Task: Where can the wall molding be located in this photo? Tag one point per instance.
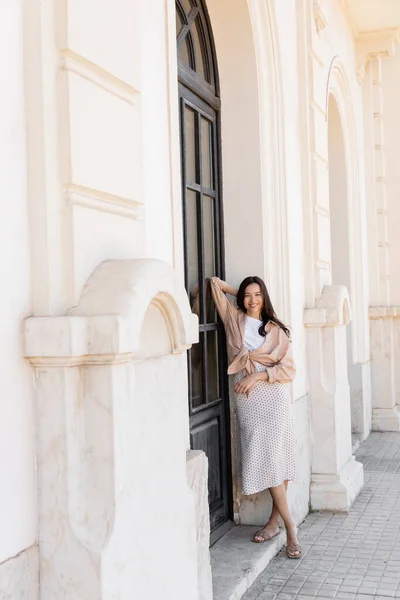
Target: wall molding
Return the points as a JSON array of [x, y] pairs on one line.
[[321, 210], [317, 107], [75, 63], [79, 195], [317, 58], [323, 264], [319, 158], [321, 21]]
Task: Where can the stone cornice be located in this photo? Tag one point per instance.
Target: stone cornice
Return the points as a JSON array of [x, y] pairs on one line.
[[374, 44], [106, 325], [384, 312]]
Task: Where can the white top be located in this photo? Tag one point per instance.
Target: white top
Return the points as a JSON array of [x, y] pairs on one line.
[[252, 339]]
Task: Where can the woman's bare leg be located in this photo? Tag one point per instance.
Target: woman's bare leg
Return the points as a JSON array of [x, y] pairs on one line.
[[271, 529], [279, 496]]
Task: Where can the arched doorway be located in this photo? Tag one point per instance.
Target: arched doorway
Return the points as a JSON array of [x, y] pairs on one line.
[[340, 239], [199, 108]]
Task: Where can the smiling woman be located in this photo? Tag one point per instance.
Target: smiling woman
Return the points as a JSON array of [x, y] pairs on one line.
[[260, 360]]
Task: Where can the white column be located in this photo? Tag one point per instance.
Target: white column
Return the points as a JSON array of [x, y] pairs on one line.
[[385, 410], [336, 477]]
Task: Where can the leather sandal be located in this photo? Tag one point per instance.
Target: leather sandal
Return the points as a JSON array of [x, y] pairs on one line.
[[265, 537], [291, 550]]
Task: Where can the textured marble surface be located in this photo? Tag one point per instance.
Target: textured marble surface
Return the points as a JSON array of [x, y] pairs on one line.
[[197, 474], [19, 576]]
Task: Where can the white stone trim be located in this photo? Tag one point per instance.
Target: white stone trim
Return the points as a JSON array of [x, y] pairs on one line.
[[79, 195], [71, 61], [384, 312]]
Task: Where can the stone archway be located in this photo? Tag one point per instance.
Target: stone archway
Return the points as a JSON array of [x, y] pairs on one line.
[[348, 241]]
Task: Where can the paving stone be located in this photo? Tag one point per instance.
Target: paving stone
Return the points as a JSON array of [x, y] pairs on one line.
[[354, 556]]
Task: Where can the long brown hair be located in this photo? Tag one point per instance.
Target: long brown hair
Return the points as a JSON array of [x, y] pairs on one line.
[[267, 312]]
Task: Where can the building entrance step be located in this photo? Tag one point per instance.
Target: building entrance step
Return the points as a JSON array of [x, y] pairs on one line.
[[236, 561]]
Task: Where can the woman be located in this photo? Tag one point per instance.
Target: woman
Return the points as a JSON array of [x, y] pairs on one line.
[[261, 362]]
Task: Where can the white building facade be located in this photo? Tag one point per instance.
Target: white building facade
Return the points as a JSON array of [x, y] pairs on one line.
[[147, 146]]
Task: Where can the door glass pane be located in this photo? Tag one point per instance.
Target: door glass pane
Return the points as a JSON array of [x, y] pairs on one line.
[[206, 154], [209, 236], [196, 363], [192, 247], [186, 51], [200, 51], [211, 311], [190, 145], [187, 5], [209, 254], [213, 367]]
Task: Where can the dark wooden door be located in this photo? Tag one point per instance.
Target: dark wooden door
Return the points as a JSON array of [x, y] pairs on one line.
[[203, 245]]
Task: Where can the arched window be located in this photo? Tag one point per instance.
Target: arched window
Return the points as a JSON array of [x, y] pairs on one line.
[[203, 248], [195, 47]]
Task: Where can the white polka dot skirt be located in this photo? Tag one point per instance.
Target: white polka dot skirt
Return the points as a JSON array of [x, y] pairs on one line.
[[266, 435]]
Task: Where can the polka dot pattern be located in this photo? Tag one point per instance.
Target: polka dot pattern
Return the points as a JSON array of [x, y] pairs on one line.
[[266, 435]]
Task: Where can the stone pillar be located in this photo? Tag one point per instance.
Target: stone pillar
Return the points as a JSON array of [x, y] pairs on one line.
[[385, 403], [336, 477], [382, 314], [117, 517]]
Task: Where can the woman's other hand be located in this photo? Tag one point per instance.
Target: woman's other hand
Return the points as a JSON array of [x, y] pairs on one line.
[[246, 385]]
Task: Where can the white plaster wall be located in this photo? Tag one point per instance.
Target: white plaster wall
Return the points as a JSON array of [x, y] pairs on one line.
[[17, 457], [87, 163], [120, 148]]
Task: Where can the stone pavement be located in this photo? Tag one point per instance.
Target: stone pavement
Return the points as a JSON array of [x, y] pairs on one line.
[[354, 556]]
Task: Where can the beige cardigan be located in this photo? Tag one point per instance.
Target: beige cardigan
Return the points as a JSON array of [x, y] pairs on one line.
[[275, 353]]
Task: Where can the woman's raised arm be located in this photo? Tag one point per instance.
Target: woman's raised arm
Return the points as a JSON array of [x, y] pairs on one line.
[[225, 308]]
